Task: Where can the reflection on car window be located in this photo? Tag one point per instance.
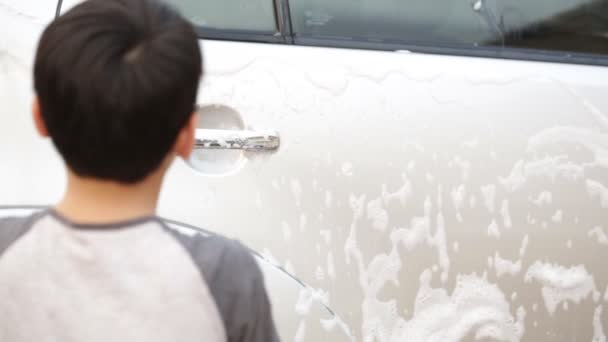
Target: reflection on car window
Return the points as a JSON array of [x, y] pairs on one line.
[[562, 25], [251, 15]]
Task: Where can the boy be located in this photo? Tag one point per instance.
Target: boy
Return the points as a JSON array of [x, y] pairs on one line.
[[116, 84]]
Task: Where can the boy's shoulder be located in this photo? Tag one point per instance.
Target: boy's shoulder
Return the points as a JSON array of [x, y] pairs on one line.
[[12, 228], [236, 283], [221, 259]]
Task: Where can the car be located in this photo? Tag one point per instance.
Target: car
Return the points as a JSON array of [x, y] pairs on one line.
[[432, 170]]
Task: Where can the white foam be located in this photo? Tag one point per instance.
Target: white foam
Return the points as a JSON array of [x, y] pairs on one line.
[[296, 190], [458, 197], [524, 246], [308, 297], [331, 268], [598, 190], [331, 324], [328, 199], [552, 168], [599, 235], [475, 306], [489, 195], [286, 231], [347, 169], [598, 330], [320, 273], [472, 202], [506, 216], [477, 6], [276, 185], [377, 214], [325, 235], [402, 194], [465, 168], [289, 268], [560, 284], [479, 304], [587, 138], [557, 217], [300, 333], [516, 179], [303, 222], [505, 266], [544, 198], [258, 201], [493, 230], [471, 143]]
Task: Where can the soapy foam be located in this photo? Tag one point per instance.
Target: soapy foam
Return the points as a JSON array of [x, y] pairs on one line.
[[331, 268], [402, 194], [493, 230], [598, 330], [504, 266], [347, 169], [506, 216], [325, 235], [544, 198], [524, 246], [598, 190], [331, 324], [557, 217], [320, 273], [489, 195], [560, 284], [300, 333], [377, 215], [309, 296], [464, 166], [328, 199], [296, 190], [303, 222], [286, 231], [289, 268], [475, 306], [458, 198], [599, 235]]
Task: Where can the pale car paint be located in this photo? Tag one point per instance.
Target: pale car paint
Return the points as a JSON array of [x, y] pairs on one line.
[[425, 198]]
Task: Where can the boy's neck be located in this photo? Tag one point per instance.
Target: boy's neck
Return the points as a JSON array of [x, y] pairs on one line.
[[88, 200]]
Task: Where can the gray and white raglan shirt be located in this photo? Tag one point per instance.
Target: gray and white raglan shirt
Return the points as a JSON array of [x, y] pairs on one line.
[[137, 281]]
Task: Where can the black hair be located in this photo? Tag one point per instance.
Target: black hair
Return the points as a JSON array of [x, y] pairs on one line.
[[116, 81]]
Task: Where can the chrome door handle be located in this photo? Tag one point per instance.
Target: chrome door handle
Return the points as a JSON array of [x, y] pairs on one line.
[[222, 139]]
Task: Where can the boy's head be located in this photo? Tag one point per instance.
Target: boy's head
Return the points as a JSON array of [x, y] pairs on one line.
[[116, 82]]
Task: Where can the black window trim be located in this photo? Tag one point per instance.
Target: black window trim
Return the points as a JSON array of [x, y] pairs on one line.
[[285, 35]]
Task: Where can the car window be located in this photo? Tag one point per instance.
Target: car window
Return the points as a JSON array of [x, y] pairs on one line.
[[559, 25], [250, 15]]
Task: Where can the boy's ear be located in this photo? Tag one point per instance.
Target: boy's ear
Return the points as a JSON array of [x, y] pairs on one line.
[[38, 119], [185, 139]]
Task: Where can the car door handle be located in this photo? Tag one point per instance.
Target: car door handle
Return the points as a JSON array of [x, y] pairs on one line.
[[223, 139]]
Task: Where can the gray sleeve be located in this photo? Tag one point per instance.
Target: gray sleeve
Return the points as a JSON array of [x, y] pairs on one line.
[[236, 284], [11, 229]]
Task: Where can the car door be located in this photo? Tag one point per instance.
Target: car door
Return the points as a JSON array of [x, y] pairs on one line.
[[442, 169]]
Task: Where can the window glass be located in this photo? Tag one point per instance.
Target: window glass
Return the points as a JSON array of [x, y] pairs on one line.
[[564, 25], [254, 15]]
